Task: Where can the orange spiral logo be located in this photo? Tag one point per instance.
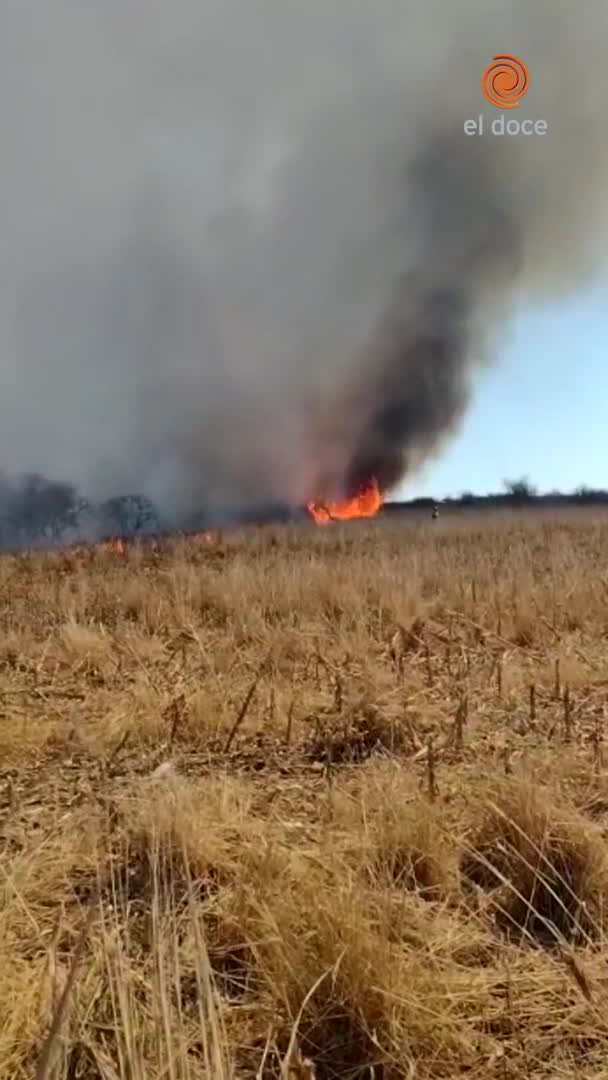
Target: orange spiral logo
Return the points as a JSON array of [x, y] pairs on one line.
[[505, 81]]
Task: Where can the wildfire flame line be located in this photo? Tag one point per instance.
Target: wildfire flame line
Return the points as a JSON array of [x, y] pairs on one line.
[[365, 504], [118, 545]]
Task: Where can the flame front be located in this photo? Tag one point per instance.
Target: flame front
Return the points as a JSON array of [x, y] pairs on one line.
[[366, 504], [116, 544], [210, 536]]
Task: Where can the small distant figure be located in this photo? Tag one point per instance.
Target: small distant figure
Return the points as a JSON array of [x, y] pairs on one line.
[[435, 513]]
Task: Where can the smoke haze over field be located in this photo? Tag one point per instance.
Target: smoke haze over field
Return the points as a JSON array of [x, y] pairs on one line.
[[247, 249]]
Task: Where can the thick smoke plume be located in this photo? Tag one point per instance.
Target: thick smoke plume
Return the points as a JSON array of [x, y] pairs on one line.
[[248, 252]]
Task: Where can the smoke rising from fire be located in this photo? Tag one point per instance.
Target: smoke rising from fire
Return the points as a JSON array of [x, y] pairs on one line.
[[248, 251]]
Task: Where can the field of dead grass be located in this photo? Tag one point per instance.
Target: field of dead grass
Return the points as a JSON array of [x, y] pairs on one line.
[[308, 803]]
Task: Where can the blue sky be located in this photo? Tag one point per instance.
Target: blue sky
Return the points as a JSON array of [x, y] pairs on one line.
[[539, 411]]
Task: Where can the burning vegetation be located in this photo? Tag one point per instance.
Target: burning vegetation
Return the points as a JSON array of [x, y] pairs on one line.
[[38, 513], [365, 504]]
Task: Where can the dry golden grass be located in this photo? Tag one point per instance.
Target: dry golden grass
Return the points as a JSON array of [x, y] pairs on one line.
[[308, 804]]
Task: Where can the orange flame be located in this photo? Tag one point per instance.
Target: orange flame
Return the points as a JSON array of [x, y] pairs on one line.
[[115, 545], [208, 537], [366, 504]]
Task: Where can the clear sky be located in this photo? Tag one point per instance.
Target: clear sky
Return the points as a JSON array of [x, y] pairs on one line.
[[540, 410]]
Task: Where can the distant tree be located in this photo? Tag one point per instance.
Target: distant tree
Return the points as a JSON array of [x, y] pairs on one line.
[[6, 529], [128, 515], [39, 508], [588, 495], [79, 520], [520, 490], [423, 502]]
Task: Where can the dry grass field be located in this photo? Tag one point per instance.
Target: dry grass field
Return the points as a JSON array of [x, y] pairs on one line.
[[306, 803]]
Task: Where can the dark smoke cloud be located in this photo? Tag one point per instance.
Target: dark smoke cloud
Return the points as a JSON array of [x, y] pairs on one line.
[[420, 357], [249, 254]]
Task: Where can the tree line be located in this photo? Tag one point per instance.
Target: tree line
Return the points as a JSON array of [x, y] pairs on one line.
[[36, 511]]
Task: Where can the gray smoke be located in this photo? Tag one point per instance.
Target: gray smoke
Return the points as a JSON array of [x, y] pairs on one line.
[[248, 250]]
